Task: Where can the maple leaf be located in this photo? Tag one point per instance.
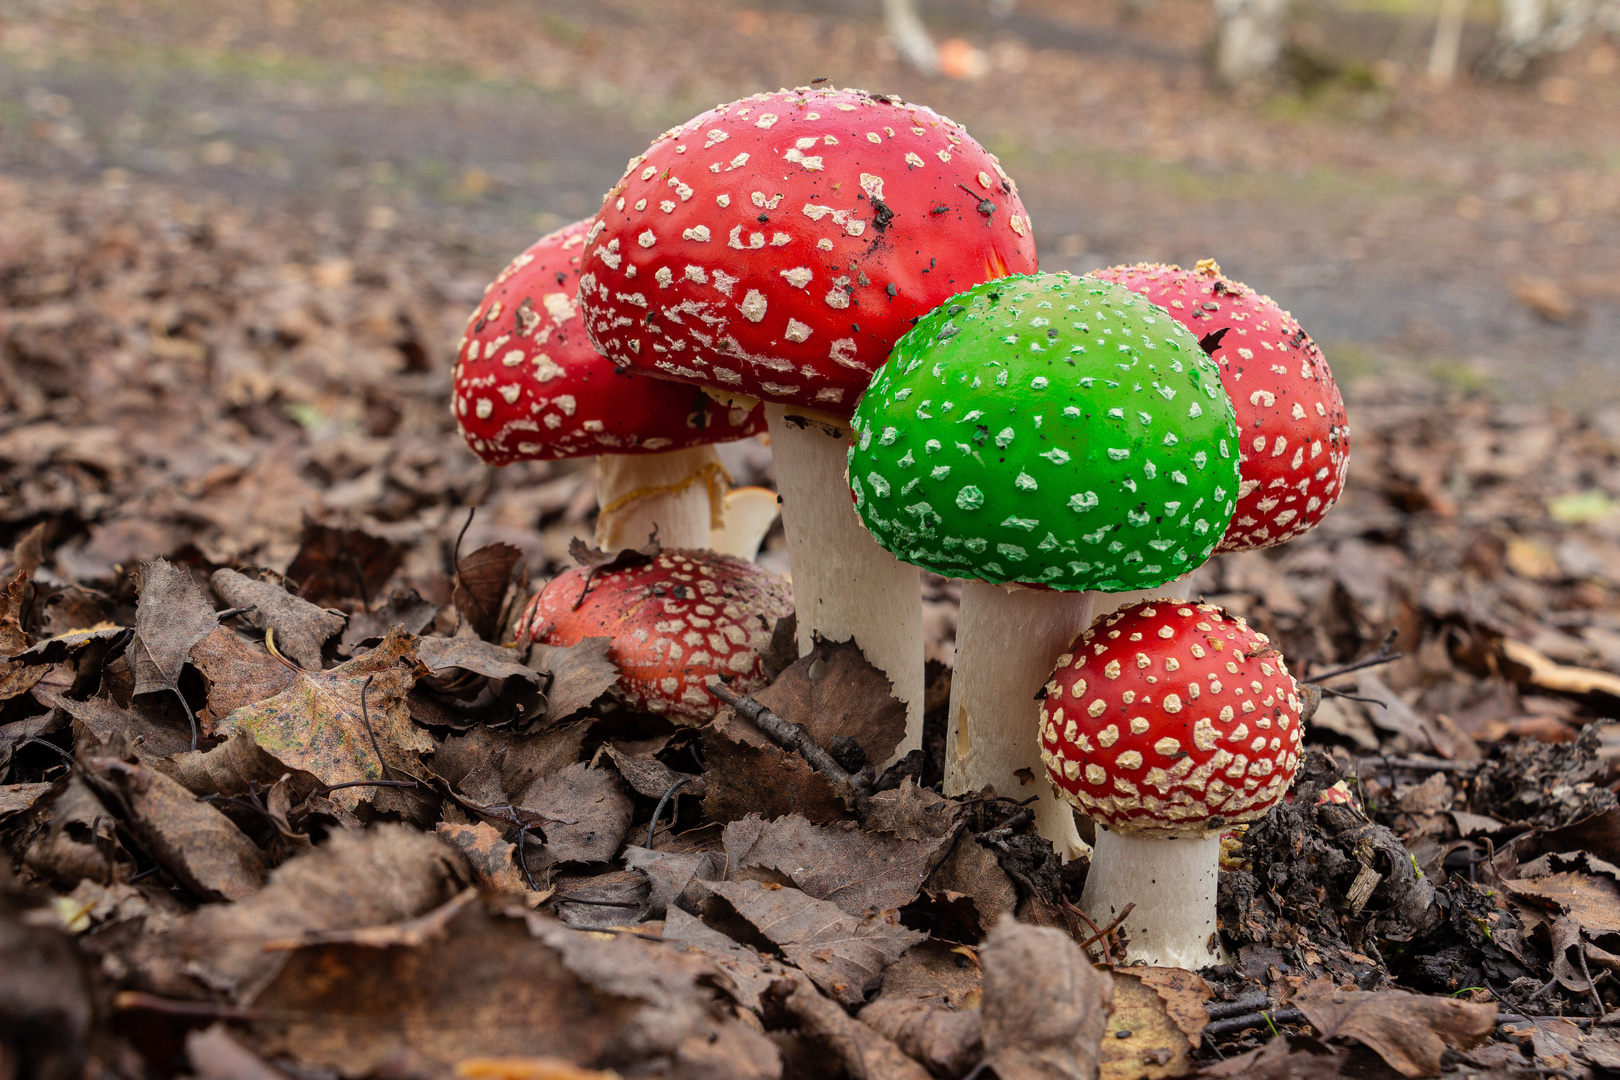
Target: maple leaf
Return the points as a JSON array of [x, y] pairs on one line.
[[317, 723]]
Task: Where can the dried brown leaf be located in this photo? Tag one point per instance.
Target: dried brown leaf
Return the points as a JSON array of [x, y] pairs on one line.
[[300, 627], [843, 955], [591, 813], [482, 579], [1157, 1021], [472, 654], [487, 853], [1044, 1007], [651, 777], [929, 1007], [409, 612], [516, 761], [750, 974], [748, 774], [15, 798], [1408, 1031], [335, 567], [192, 840], [1591, 900], [833, 691], [577, 674], [155, 734], [238, 674], [1288, 1057], [863, 1050], [171, 617], [318, 724]]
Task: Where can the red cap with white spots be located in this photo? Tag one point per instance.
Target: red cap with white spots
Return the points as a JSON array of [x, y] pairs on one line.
[[1171, 718], [1295, 444], [529, 386], [777, 247], [676, 621]]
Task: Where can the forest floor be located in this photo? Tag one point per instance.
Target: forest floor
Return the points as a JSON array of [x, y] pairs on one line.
[[235, 255]]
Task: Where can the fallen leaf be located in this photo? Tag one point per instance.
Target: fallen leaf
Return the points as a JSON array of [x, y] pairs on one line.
[[387, 875], [843, 955], [300, 627], [472, 654], [860, 871], [746, 774], [674, 877], [170, 618], [15, 798], [576, 674], [527, 1068], [516, 760], [929, 1007], [490, 857], [1287, 1057], [318, 725], [154, 735], [862, 1050], [750, 973], [214, 1055], [45, 998], [651, 777], [598, 901], [482, 580], [1044, 1007], [409, 612], [192, 840], [1562, 678], [1591, 900], [1408, 1031], [833, 691], [591, 813], [238, 674], [1157, 1022], [335, 567]]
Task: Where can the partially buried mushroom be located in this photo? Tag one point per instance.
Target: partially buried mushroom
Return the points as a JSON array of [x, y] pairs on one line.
[[529, 386], [1168, 722], [1042, 437], [677, 620], [775, 248]]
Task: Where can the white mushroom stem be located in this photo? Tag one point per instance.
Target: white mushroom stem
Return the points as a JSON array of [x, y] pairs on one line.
[[681, 493], [1172, 882], [845, 586], [1008, 640], [750, 513]]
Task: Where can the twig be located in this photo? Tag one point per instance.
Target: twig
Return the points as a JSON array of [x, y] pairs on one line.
[[1238, 1023], [659, 809], [455, 555], [1420, 764], [1000, 835], [196, 732], [1597, 999], [233, 612], [795, 739], [1382, 656], [365, 717], [1222, 1010], [523, 857], [1111, 927], [1353, 697], [135, 1001]]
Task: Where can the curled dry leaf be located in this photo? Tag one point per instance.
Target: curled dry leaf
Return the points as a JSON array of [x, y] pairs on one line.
[[1408, 1031], [577, 674], [483, 579], [335, 567], [318, 725], [300, 627], [929, 1007], [863, 1050], [1288, 1057], [489, 856], [471, 654], [1045, 1007]]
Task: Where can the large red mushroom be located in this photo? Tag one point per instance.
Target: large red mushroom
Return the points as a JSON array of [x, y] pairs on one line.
[[1166, 723], [529, 386], [776, 248], [1295, 443], [677, 620]]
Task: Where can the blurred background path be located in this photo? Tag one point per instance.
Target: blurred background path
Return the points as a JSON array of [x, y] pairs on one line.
[[1469, 230]]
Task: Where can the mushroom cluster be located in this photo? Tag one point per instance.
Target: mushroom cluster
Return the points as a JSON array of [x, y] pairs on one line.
[[1166, 723], [529, 387]]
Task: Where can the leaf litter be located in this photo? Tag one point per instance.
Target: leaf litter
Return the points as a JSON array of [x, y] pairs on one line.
[[281, 797]]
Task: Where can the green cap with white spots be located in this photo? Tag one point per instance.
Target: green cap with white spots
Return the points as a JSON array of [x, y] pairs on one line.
[[1050, 430]]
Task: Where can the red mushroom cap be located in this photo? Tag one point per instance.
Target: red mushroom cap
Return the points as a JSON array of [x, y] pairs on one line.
[[529, 386], [675, 621], [1171, 717], [779, 246], [1295, 444]]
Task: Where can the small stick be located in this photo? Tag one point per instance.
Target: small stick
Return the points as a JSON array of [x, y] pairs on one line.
[[1222, 1010], [1124, 912], [192, 717], [233, 612], [1597, 999], [795, 739], [365, 717], [1238, 1023], [1000, 835], [659, 809], [1382, 656]]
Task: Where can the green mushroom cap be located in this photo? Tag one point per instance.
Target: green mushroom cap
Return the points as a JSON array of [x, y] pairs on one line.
[[1049, 430]]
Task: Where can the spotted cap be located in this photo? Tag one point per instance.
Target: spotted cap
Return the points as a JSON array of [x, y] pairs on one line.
[[675, 621], [1171, 718], [528, 385], [1295, 444], [778, 246], [1048, 430]]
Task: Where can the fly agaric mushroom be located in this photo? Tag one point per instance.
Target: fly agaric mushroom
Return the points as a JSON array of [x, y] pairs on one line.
[[1166, 723], [528, 386], [1295, 442], [1050, 432], [776, 248], [676, 620]]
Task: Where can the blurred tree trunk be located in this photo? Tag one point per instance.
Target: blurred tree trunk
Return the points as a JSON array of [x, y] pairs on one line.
[[1248, 39], [1531, 29], [1447, 41], [905, 26]]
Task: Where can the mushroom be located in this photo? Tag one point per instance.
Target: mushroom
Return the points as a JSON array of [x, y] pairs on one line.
[[1042, 436], [775, 248], [1295, 443], [528, 386], [677, 620], [1166, 723]]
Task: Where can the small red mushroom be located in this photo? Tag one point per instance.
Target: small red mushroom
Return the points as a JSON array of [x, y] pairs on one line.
[[1295, 444], [529, 386], [677, 620], [777, 247], [1167, 722]]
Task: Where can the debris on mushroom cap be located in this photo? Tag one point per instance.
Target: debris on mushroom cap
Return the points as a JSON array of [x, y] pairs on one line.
[[1049, 430], [1295, 441], [779, 245], [529, 386], [676, 620], [1171, 717]]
